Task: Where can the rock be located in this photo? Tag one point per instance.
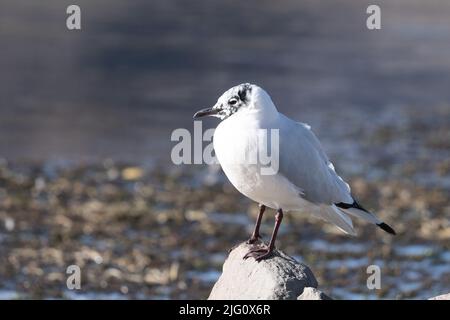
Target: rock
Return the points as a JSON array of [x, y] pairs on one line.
[[441, 297], [276, 278], [310, 293]]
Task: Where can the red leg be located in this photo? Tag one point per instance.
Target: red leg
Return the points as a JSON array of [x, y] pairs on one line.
[[265, 252], [255, 235]]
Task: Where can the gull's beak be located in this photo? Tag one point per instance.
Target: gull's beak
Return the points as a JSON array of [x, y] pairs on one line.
[[206, 112]]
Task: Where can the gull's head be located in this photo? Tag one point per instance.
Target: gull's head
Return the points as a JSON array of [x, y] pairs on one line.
[[241, 98]]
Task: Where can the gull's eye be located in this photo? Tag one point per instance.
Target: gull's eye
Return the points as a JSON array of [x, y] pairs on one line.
[[232, 101]]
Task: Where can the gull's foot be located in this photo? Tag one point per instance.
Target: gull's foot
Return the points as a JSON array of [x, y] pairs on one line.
[[259, 253]]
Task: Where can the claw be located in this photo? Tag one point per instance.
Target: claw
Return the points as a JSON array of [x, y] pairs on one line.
[[259, 254]]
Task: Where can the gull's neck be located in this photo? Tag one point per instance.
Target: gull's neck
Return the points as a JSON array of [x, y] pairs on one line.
[[262, 106]]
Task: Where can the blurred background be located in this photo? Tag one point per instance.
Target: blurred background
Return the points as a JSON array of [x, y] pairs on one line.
[[86, 118]]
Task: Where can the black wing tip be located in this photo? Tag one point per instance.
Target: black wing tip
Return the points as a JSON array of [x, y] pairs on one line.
[[386, 228], [355, 205]]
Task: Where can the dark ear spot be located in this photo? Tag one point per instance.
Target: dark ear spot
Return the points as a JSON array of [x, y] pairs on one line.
[[242, 93]]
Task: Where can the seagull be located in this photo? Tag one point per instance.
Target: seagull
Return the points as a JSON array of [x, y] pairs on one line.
[[303, 178]]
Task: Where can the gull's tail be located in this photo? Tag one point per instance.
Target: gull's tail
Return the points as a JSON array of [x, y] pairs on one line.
[[337, 217], [356, 210]]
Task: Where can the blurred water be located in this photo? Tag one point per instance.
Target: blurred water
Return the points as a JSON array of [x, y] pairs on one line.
[[136, 71]]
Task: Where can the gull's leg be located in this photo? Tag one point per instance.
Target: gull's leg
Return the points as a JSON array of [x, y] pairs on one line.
[[264, 252], [255, 235]]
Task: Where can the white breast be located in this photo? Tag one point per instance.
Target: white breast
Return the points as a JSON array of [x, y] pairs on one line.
[[236, 146]]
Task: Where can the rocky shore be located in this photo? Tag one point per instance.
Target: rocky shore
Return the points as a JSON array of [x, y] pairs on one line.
[[149, 233]]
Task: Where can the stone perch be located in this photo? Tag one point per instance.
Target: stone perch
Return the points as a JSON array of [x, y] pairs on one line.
[[280, 277], [441, 297]]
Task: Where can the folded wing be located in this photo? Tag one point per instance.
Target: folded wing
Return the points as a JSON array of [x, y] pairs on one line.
[[304, 163]]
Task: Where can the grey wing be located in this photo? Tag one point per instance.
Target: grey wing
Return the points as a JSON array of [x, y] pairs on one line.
[[304, 163]]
